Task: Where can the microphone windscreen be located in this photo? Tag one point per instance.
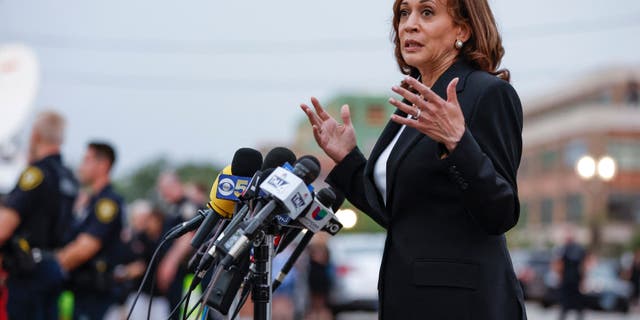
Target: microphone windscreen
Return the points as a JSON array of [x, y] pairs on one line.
[[327, 197], [246, 162], [223, 207], [312, 158], [267, 172], [340, 197], [308, 169], [277, 157]]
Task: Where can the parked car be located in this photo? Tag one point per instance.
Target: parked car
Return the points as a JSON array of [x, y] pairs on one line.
[[530, 268], [605, 290], [602, 289], [356, 258]]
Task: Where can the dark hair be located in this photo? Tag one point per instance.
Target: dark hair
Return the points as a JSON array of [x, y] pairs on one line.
[[104, 151], [157, 213], [484, 48]]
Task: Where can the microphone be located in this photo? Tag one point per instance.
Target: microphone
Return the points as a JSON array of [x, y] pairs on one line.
[[187, 226], [318, 217], [340, 197], [275, 158], [246, 162], [285, 190], [312, 158], [321, 213]]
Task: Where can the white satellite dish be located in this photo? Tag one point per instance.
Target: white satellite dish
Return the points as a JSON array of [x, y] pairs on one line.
[[19, 79]]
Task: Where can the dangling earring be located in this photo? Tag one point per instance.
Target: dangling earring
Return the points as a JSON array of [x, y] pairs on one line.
[[459, 44]]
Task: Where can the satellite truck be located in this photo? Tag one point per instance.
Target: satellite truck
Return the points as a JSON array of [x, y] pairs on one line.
[[19, 79]]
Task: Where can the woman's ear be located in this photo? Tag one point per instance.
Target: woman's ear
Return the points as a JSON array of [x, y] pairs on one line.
[[464, 32]]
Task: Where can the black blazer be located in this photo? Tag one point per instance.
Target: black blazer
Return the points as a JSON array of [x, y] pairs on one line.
[[445, 255]]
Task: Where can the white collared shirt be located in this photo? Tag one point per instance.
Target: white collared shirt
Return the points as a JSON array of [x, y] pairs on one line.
[[380, 168]]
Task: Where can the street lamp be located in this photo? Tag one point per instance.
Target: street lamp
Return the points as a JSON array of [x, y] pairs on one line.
[[604, 170], [347, 217], [586, 167]]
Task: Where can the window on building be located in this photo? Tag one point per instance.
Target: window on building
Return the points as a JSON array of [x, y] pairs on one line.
[[626, 153], [575, 208], [548, 159], [376, 116], [624, 208], [546, 211], [573, 151]]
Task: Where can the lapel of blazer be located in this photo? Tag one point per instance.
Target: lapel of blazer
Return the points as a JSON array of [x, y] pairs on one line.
[[411, 136], [388, 133]]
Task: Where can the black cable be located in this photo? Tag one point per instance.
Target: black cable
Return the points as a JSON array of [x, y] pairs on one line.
[[186, 305], [144, 278], [195, 307], [153, 284], [209, 290], [177, 307]]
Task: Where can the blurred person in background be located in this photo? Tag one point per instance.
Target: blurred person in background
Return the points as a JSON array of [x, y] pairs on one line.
[[570, 264], [197, 193], [173, 266], [33, 222], [442, 176], [92, 250], [283, 307], [146, 233], [320, 277], [129, 259]]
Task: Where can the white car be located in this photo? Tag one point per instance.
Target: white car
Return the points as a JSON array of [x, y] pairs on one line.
[[356, 259]]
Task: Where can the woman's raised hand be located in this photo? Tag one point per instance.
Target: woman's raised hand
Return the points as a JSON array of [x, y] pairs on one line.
[[337, 140], [442, 120]]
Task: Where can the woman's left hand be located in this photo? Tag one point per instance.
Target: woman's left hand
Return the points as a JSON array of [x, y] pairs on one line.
[[441, 120]]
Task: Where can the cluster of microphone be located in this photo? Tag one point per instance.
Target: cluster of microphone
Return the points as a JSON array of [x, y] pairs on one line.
[[248, 199]]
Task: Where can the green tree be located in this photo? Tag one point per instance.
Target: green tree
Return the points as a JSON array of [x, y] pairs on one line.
[[141, 182]]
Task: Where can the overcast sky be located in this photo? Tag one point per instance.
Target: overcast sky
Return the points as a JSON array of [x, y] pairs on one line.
[[196, 80]]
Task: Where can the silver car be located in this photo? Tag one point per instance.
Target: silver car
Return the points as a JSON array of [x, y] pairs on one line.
[[356, 259]]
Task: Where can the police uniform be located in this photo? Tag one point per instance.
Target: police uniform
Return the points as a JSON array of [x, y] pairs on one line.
[[43, 198], [92, 282]]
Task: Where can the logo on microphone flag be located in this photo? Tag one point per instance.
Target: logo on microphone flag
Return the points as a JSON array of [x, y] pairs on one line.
[[318, 214], [278, 182], [231, 187]]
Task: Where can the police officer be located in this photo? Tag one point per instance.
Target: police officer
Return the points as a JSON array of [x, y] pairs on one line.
[[33, 223], [172, 267], [89, 256], [572, 266]]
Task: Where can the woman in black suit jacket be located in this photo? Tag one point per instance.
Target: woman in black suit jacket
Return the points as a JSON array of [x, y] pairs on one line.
[[442, 177]]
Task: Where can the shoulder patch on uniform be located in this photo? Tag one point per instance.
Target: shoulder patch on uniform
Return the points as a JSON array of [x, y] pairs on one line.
[[30, 179], [106, 210]]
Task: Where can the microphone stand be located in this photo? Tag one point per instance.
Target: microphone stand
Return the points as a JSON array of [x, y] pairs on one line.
[[261, 278]]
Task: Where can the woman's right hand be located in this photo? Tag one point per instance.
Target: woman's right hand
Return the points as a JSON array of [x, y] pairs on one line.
[[337, 140]]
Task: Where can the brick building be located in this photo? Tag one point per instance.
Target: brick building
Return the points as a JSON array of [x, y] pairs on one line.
[[597, 116]]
